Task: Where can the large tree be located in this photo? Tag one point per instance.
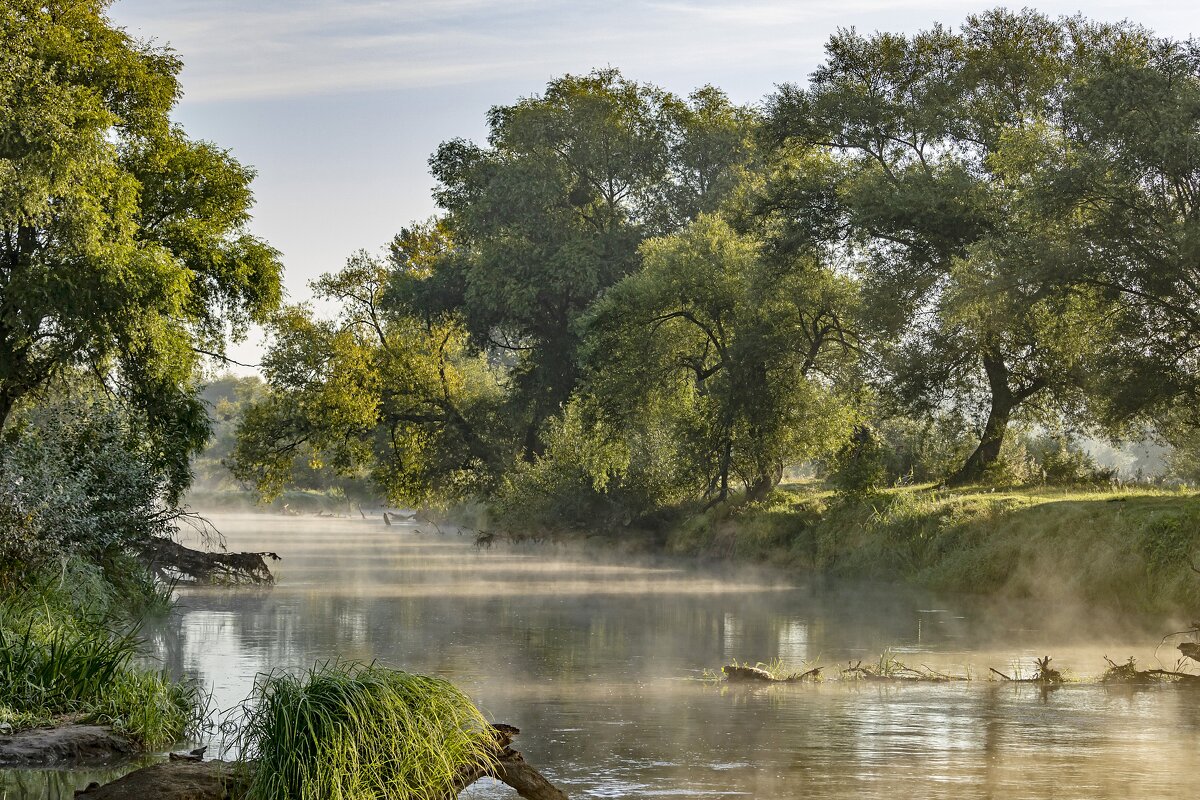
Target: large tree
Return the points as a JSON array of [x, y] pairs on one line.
[[377, 391], [1132, 187], [552, 212], [123, 243], [923, 161], [736, 356]]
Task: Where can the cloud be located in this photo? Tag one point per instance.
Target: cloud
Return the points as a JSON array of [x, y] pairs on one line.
[[235, 49]]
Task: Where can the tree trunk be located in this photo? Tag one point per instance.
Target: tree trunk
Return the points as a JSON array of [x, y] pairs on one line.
[[7, 401], [765, 483], [1001, 409]]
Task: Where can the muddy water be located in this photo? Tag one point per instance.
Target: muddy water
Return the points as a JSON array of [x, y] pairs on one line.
[[599, 664]]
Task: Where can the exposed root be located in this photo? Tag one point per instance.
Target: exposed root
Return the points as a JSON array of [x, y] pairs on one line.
[[171, 561]]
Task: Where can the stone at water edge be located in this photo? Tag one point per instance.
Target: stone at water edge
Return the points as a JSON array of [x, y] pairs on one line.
[[67, 745]]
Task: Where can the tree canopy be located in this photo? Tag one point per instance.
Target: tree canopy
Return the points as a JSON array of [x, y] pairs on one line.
[[634, 301], [124, 253]]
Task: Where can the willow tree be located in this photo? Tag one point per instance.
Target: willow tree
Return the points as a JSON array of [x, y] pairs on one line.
[[736, 358], [927, 159], [1132, 183], [552, 211], [376, 391], [123, 243]]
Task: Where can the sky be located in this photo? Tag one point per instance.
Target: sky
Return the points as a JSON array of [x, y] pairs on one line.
[[338, 105]]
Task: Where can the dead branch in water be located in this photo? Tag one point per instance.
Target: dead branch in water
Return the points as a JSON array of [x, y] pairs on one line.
[[1045, 673], [512, 769], [171, 561], [741, 673]]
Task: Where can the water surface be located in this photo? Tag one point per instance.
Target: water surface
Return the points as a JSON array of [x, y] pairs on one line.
[[599, 662]]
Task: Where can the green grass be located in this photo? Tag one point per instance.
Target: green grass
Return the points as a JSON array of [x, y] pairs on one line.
[[359, 732], [69, 651], [1123, 549], [49, 670]]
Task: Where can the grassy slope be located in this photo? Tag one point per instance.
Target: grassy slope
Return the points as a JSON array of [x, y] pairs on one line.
[[1127, 549]]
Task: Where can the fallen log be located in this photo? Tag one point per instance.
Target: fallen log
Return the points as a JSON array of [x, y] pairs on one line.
[[171, 561], [740, 673], [512, 769]]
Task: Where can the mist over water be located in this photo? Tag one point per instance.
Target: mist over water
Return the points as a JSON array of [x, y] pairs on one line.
[[598, 662]]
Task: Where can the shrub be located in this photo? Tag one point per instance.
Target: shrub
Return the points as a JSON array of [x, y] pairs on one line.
[[859, 467], [77, 477]]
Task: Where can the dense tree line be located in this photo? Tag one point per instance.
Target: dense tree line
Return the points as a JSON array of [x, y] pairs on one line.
[[633, 300]]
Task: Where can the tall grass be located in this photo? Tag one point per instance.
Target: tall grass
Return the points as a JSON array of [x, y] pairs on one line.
[[360, 732], [50, 667]]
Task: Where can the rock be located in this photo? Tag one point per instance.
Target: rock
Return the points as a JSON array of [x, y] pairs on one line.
[[174, 780], [68, 745]]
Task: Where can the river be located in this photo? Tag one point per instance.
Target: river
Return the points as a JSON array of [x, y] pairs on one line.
[[600, 660]]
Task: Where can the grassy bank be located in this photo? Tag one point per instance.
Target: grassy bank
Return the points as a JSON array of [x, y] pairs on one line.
[[1121, 549], [69, 652]]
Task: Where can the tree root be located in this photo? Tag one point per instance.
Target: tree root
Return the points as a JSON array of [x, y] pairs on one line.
[[171, 561]]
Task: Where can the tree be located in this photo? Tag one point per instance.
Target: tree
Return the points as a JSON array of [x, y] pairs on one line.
[[923, 159], [377, 391], [123, 248], [1132, 184], [552, 212], [739, 357]]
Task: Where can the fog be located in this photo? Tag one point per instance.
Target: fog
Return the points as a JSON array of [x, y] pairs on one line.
[[600, 663]]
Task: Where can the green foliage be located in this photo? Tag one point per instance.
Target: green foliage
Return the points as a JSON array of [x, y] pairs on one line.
[[124, 248], [860, 467], [360, 732], [52, 665], [377, 393], [553, 212], [79, 477], [926, 449], [925, 157], [705, 334]]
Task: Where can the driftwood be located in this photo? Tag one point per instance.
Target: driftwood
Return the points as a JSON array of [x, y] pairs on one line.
[[738, 673], [1045, 674], [512, 769], [171, 561]]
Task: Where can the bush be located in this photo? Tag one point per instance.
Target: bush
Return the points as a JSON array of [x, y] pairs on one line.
[[77, 477], [924, 450], [360, 732], [860, 467], [1060, 462]]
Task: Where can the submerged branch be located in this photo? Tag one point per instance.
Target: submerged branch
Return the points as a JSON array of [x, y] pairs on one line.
[[171, 561]]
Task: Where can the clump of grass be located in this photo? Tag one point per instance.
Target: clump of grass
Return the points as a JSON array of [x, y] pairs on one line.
[[360, 732], [61, 670], [151, 708]]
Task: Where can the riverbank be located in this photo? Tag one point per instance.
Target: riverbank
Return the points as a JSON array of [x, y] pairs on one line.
[[73, 685], [1126, 550]]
